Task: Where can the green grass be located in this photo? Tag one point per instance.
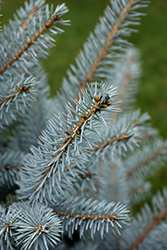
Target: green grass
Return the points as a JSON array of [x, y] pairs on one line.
[[151, 40]]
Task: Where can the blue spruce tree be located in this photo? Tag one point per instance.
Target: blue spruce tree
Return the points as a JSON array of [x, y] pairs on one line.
[[72, 168]]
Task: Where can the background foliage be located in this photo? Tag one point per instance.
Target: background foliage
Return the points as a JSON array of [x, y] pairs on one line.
[[150, 40]]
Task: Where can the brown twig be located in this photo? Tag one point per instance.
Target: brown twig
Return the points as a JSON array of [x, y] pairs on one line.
[[112, 217]]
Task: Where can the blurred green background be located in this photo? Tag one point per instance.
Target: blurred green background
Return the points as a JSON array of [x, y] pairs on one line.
[[151, 40]]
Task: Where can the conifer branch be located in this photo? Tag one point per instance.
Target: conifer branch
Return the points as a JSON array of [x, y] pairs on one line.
[[90, 214], [16, 94], [122, 137], [25, 23], [55, 18], [96, 108], [67, 148], [25, 88], [146, 161], [110, 142], [35, 226], [104, 51], [144, 234]]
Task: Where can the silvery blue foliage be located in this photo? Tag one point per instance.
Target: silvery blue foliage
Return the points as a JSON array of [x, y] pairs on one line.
[[73, 167], [42, 224]]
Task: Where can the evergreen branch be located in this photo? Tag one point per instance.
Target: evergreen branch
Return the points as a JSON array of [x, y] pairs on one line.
[[79, 155], [118, 140], [96, 107], [66, 149], [104, 51], [84, 214], [151, 157], [56, 18], [29, 226], [25, 23], [126, 76], [30, 42], [131, 133], [7, 220], [33, 120], [24, 88], [15, 95], [36, 226], [110, 142], [154, 223], [24, 15]]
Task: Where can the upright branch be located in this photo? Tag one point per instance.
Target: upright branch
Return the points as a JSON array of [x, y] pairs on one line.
[[104, 50], [99, 103]]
